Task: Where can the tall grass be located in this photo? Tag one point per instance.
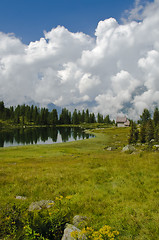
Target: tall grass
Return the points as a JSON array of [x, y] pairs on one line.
[[109, 187]]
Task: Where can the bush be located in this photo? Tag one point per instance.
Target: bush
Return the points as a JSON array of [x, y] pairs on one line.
[[11, 222], [38, 224]]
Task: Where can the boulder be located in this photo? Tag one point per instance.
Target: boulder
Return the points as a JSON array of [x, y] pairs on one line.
[[157, 146], [111, 148], [79, 221], [67, 232], [129, 148], [21, 197], [40, 204]]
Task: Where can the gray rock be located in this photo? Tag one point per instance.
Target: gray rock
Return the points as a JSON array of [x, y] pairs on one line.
[[111, 148], [67, 232], [40, 204], [128, 148], [21, 197], [157, 146], [79, 221]]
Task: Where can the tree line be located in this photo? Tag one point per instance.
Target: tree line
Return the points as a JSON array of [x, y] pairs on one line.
[[25, 114], [148, 130]]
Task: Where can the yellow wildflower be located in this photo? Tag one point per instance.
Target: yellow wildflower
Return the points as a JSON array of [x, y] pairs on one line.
[[74, 234], [68, 197], [59, 198]]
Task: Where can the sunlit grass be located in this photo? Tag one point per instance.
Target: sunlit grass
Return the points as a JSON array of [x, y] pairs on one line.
[[109, 187]]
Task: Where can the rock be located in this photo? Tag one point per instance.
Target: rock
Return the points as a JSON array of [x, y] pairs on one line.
[[79, 221], [21, 197], [40, 204], [67, 232], [111, 148], [138, 144], [129, 148], [156, 146]]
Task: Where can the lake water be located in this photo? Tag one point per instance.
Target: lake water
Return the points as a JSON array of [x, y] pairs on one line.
[[41, 135]]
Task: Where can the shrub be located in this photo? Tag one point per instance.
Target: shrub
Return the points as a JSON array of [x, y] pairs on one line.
[[44, 224], [11, 222]]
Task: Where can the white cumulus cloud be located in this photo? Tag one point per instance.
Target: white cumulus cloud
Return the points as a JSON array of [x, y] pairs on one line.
[[114, 71]]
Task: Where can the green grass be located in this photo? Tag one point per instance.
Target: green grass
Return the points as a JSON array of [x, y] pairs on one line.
[[109, 187]]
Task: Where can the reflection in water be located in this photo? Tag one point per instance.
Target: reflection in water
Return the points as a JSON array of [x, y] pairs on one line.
[[45, 135]]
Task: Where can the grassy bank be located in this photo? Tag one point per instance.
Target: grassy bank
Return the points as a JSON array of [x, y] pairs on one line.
[[109, 187]]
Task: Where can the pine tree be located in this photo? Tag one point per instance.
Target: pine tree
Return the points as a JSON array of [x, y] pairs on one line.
[[107, 120], [87, 119], [149, 130], [156, 116], [143, 133], [75, 119], [83, 116], [92, 118], [54, 117], [65, 117], [1, 109], [134, 133], [100, 118], [156, 134], [145, 116]]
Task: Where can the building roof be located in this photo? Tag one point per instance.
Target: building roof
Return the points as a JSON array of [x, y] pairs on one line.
[[121, 119]]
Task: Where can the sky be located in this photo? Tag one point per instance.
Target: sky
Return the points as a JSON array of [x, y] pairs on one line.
[[28, 19], [96, 54]]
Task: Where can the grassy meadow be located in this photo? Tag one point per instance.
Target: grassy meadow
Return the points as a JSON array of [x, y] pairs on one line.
[[109, 187]]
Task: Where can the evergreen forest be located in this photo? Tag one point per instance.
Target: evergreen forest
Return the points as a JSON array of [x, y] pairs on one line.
[[147, 129], [32, 115]]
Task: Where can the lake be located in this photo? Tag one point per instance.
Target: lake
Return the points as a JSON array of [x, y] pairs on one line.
[[41, 135]]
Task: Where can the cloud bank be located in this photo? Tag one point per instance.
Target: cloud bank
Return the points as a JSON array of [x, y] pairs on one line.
[[116, 71]]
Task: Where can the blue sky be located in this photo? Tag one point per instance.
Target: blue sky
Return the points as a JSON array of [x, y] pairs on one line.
[[27, 19]]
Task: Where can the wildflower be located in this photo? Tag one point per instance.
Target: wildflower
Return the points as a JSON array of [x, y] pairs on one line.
[[59, 198], [116, 232], [68, 197], [74, 234]]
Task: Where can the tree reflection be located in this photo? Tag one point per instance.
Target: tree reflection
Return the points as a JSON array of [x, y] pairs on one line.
[[37, 135]]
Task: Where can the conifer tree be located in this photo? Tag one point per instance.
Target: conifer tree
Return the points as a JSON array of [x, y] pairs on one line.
[[145, 116], [100, 118], [87, 119], [107, 120], [134, 133], [156, 116], [143, 133], [54, 117], [149, 130], [156, 134], [75, 119], [83, 116]]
